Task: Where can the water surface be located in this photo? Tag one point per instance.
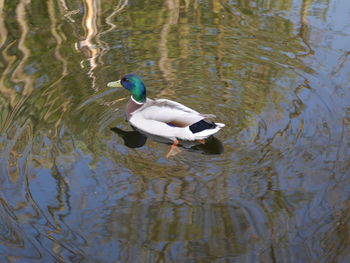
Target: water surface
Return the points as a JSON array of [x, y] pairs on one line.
[[272, 186]]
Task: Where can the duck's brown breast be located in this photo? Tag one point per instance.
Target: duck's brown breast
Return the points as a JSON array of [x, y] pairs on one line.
[[131, 106]]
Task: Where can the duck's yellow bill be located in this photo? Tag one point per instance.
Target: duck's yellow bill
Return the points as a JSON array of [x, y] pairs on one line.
[[114, 84]]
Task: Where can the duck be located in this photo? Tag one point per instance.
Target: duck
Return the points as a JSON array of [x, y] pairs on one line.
[[164, 118]]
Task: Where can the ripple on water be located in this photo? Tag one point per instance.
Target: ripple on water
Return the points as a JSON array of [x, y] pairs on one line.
[[271, 186]]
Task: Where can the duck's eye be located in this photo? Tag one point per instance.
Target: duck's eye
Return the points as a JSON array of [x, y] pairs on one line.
[[124, 79]]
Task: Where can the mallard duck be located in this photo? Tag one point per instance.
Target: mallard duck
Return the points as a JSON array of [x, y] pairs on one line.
[[164, 118]]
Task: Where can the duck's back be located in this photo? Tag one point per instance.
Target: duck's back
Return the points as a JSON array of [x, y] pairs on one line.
[[169, 112]]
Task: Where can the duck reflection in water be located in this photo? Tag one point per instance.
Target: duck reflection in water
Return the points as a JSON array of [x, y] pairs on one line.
[[135, 139], [132, 139]]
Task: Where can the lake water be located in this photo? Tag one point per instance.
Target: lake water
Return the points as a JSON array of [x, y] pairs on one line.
[[77, 185]]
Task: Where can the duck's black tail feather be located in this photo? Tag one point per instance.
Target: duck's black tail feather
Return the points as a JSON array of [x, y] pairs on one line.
[[202, 125]]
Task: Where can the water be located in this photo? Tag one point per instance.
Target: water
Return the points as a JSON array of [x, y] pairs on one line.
[[272, 186]]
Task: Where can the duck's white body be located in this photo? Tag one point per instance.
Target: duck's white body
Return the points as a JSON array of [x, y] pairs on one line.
[[168, 119]]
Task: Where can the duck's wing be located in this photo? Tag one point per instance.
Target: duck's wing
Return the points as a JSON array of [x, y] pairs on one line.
[[171, 120], [170, 112], [161, 129], [172, 105]]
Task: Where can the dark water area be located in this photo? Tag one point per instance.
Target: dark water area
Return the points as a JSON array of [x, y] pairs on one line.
[[78, 185]]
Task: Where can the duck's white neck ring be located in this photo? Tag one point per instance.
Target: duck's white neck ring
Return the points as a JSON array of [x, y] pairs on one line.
[[139, 103]]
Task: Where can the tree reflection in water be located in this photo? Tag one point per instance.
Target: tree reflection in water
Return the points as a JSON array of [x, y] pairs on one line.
[[272, 187]]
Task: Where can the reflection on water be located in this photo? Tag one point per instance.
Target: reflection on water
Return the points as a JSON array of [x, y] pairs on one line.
[[135, 139], [79, 185], [132, 139]]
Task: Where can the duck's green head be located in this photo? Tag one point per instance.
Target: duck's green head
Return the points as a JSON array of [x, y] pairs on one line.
[[132, 83]]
